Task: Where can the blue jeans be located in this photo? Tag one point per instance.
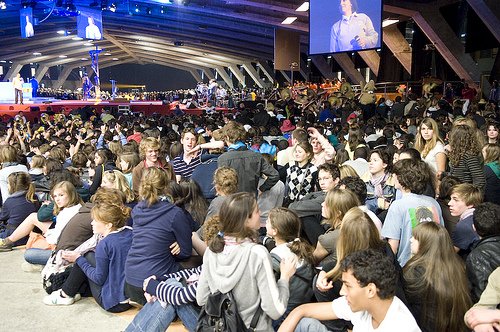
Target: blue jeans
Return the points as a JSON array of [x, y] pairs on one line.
[[37, 256], [310, 324], [154, 318]]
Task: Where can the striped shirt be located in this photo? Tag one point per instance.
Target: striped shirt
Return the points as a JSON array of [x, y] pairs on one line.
[[470, 170], [173, 293], [185, 170]]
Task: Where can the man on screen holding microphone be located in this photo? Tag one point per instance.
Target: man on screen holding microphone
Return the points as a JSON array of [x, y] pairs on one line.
[[354, 31]]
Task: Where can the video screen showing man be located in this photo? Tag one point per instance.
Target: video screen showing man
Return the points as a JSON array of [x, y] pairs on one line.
[[26, 17], [89, 25], [344, 25], [354, 31]]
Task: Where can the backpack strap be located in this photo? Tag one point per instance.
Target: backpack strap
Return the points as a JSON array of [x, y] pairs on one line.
[[255, 319]]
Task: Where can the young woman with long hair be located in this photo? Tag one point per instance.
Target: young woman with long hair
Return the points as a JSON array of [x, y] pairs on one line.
[[158, 225], [234, 262], [284, 226], [100, 273], [435, 281], [491, 132], [358, 232], [465, 159], [430, 145], [334, 208]]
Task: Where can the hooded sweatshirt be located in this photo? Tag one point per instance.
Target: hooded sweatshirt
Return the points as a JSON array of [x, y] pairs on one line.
[[246, 269], [156, 227]]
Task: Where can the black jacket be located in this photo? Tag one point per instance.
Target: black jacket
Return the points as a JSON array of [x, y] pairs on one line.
[[483, 259]]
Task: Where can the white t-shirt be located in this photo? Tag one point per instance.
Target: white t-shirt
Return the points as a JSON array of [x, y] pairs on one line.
[[430, 159], [397, 319], [62, 219]]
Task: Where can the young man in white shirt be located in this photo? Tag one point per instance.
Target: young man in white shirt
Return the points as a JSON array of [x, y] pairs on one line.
[[368, 300]]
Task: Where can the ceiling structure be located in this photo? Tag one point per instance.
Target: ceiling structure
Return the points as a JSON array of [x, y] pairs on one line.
[[225, 37]]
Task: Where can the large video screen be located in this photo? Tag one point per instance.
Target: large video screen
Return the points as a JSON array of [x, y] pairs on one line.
[[89, 24], [26, 22], [344, 25]]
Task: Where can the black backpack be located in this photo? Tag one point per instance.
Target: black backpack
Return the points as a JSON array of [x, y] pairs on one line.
[[220, 314]]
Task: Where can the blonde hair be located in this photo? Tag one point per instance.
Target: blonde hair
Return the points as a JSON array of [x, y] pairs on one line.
[[120, 182], [491, 153], [8, 154], [114, 213], [37, 161], [423, 146], [154, 183], [338, 202], [148, 143], [347, 170], [225, 180], [21, 181], [70, 190], [115, 147], [358, 232], [131, 158], [470, 194]]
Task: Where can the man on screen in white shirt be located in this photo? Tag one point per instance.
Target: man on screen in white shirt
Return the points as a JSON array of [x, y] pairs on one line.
[[28, 28], [92, 31], [354, 31]]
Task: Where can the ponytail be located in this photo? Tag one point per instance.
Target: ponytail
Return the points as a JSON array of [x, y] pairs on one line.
[[303, 250], [30, 194]]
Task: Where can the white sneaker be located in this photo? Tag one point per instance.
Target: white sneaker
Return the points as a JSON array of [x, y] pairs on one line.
[[55, 298], [28, 267]]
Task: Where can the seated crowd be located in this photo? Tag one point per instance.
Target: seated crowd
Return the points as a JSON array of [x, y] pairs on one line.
[[351, 222]]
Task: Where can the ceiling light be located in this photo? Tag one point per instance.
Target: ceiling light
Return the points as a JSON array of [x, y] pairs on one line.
[[37, 53], [61, 32], [303, 7], [107, 53], [76, 38], [289, 20], [83, 59], [3, 5], [63, 56], [115, 59], [148, 10], [137, 9], [162, 10], [112, 7], [88, 44], [389, 21]]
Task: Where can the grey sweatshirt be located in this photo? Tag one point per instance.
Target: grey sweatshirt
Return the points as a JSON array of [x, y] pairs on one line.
[[245, 269]]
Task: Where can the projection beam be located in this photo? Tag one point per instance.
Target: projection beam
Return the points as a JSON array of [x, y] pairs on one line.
[[372, 59], [398, 45]]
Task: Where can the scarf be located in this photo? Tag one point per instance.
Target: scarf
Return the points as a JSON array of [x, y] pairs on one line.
[[494, 167], [377, 184]]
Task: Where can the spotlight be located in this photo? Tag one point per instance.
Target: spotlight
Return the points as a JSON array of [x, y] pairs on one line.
[[137, 9], [162, 10], [148, 10], [3, 5], [112, 7]]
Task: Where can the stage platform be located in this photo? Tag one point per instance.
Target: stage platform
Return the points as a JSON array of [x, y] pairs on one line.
[[32, 108]]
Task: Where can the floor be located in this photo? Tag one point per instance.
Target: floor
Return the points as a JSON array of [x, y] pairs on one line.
[[21, 295]]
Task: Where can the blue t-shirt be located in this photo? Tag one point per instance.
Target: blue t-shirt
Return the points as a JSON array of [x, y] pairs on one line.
[[406, 213], [465, 237]]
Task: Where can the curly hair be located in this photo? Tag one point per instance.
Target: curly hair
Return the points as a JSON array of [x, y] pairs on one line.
[[372, 266], [463, 141], [225, 180], [412, 174]]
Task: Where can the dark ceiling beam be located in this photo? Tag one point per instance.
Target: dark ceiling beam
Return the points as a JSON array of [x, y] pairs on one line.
[[489, 19], [242, 48], [437, 30], [289, 9]]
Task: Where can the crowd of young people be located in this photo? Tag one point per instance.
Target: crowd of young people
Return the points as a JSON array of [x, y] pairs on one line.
[[352, 222]]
